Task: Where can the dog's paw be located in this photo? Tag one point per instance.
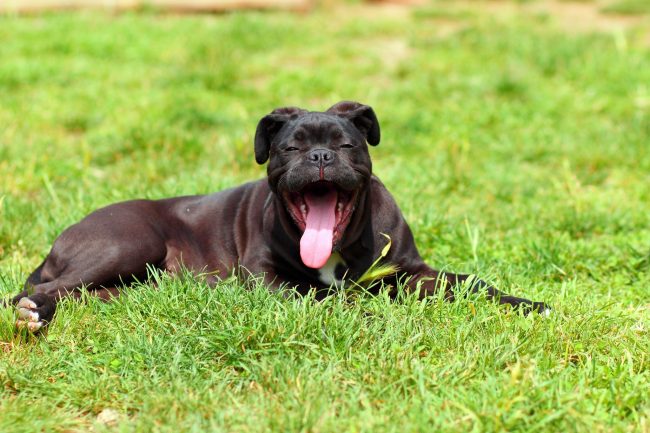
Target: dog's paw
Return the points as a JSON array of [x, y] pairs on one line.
[[526, 306], [542, 308], [34, 312], [536, 307]]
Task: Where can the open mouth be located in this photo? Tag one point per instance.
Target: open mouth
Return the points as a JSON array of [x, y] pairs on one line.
[[322, 211]]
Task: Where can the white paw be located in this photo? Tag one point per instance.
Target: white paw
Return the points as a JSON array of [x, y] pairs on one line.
[[27, 317]]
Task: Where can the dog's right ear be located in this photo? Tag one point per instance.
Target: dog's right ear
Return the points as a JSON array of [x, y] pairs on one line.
[[269, 126], [362, 116]]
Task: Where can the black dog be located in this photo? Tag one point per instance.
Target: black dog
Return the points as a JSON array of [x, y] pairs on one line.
[[318, 217]]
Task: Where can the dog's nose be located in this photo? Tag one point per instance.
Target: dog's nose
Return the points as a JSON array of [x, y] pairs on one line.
[[321, 157]]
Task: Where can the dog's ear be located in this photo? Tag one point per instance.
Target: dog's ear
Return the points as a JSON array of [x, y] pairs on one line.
[[362, 116], [269, 126]]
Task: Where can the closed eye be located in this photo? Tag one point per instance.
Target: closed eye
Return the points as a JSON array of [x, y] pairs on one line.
[[291, 149], [346, 146]]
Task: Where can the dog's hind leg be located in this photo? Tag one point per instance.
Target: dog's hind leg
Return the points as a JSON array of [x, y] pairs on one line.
[[37, 303], [35, 277], [37, 310], [111, 246]]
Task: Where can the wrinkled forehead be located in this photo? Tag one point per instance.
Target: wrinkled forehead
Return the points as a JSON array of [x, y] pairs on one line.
[[320, 125]]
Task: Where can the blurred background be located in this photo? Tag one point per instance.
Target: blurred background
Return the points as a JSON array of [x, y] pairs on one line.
[[587, 8]]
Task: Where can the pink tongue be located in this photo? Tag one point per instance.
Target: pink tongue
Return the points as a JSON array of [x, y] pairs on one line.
[[316, 241]]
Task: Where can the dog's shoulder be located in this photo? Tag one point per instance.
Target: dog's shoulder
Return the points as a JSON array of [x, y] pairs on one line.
[[381, 196]]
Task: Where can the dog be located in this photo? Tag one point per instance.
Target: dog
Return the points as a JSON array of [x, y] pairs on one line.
[[320, 217]]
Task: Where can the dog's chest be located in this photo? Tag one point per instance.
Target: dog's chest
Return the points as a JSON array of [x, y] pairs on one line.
[[333, 271]]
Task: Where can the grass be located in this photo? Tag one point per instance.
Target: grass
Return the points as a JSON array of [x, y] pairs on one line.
[[628, 7], [516, 152]]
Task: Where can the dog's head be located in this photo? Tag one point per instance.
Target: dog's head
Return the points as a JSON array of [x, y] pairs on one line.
[[318, 166]]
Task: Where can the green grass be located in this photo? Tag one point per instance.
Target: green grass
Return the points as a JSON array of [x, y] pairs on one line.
[[628, 7], [516, 152]]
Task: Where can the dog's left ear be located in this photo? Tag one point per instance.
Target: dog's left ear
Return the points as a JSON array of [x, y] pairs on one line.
[[269, 126], [362, 116]]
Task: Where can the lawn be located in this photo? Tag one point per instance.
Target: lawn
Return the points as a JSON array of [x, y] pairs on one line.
[[516, 146]]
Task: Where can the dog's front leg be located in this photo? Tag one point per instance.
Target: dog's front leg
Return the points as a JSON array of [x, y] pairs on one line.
[[429, 282]]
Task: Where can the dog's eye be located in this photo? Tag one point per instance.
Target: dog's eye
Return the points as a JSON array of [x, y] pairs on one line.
[[291, 149], [346, 146]]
